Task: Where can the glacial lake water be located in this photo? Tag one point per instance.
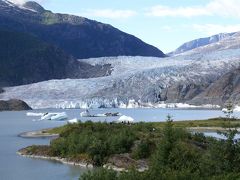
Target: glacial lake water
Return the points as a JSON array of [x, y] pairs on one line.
[[13, 166]]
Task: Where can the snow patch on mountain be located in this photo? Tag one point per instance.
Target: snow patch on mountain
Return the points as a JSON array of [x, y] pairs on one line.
[[16, 4], [188, 46]]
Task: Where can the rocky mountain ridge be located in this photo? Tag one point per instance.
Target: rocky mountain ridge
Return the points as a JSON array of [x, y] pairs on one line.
[[77, 36], [201, 42]]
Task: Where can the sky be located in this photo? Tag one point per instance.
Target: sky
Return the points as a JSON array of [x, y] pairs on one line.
[[165, 24]]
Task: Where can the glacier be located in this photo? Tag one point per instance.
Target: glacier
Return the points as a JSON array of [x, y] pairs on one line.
[[138, 81]]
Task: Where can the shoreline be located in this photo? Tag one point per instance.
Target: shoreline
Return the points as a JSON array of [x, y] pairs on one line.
[[61, 160], [80, 164]]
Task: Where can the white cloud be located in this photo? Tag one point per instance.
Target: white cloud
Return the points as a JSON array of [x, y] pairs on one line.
[[211, 29], [109, 13], [227, 8], [162, 11]]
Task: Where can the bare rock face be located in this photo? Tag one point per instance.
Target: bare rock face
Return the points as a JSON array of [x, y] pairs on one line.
[[125, 161], [224, 89], [181, 92], [13, 105]]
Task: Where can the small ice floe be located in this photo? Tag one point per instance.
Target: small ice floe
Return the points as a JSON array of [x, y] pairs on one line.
[[125, 119], [73, 121], [54, 116]]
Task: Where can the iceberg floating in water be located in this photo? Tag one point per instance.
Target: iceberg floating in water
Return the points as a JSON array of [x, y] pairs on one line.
[[125, 119], [54, 116], [73, 121]]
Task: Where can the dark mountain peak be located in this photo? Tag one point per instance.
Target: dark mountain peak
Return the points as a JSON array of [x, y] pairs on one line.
[[34, 6], [77, 36]]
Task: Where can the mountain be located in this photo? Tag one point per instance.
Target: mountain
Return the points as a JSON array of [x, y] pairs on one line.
[[78, 36], [201, 42], [26, 59], [226, 88]]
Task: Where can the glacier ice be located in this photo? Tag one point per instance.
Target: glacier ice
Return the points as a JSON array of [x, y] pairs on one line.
[[134, 82]]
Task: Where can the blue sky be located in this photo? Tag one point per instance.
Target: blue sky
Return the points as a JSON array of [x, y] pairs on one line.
[[165, 24]]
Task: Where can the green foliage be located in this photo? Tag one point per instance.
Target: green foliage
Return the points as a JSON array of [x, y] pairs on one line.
[[143, 149], [223, 155], [50, 18], [99, 174], [199, 137], [98, 140], [215, 122], [180, 155]]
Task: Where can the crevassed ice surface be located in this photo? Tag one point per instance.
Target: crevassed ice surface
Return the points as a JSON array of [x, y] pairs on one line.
[[132, 78]]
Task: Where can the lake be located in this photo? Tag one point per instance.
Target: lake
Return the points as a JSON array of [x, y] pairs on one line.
[[13, 166]]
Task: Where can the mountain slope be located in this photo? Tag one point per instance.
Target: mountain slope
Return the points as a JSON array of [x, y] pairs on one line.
[[26, 59], [224, 89], [231, 42], [78, 36], [200, 42]]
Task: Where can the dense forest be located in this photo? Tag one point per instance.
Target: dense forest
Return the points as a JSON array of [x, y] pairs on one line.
[[148, 150], [180, 155]]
